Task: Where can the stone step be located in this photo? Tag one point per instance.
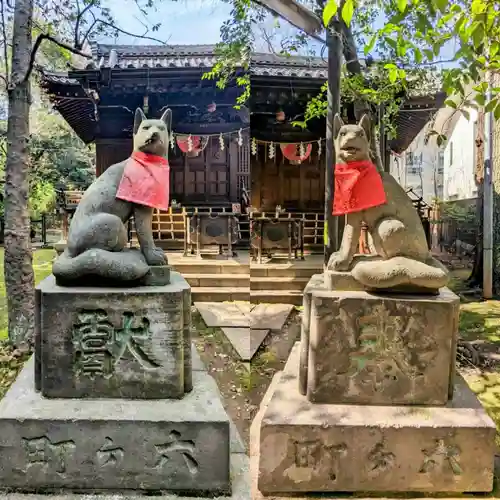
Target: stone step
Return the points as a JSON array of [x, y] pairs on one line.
[[288, 270], [283, 283], [210, 267], [219, 294], [218, 280], [293, 297]]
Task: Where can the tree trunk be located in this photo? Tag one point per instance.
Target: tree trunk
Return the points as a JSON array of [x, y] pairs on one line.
[[476, 277], [18, 259]]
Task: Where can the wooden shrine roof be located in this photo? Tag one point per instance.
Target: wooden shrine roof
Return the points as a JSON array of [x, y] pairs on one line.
[[200, 56], [78, 108]]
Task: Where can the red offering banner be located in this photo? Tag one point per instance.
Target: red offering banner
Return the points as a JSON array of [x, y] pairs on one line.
[[146, 181], [358, 186], [292, 152]]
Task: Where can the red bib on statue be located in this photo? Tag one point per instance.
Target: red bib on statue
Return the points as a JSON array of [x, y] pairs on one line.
[[358, 186], [146, 181]]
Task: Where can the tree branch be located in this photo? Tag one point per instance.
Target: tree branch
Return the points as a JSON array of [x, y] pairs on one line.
[[79, 17], [5, 47], [38, 43], [84, 39], [112, 26]]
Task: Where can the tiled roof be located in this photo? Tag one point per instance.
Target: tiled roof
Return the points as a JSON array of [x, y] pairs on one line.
[[200, 56], [80, 112]]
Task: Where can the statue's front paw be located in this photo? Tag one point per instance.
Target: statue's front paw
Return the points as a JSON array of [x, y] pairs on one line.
[[339, 262], [155, 257]]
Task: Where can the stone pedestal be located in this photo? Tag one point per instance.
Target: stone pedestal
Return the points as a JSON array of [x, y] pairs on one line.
[[369, 401], [114, 342], [108, 444], [115, 399], [308, 447], [378, 349]]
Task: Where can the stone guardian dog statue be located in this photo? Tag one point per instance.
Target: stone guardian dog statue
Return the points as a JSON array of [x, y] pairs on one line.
[[97, 239], [402, 261]]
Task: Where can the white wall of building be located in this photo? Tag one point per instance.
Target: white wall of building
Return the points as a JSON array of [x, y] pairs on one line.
[[459, 159], [420, 167], [444, 172]]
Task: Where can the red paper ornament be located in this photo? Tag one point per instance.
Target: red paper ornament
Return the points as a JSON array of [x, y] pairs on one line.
[[358, 186], [291, 152], [183, 143], [146, 181]]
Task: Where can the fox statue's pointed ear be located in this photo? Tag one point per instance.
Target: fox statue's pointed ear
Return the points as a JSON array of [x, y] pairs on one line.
[[337, 124], [365, 124], [167, 119], [139, 116]]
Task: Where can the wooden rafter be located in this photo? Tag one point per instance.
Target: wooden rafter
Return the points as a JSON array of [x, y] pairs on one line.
[[297, 15]]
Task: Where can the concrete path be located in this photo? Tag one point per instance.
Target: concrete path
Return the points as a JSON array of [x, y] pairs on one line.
[[244, 324]]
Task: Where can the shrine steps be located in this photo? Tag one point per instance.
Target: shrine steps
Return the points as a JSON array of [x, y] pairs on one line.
[[282, 282], [293, 297], [277, 283], [213, 279]]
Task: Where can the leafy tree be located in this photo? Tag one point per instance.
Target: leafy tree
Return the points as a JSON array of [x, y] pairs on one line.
[[31, 31], [410, 46]]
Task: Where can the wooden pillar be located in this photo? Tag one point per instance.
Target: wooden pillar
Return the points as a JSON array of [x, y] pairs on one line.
[[334, 44], [111, 151]]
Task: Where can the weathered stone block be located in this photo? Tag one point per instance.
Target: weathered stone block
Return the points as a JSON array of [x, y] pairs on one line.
[[108, 444], [307, 447], [363, 348], [114, 342]]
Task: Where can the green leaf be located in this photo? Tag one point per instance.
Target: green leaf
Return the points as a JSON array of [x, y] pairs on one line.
[[480, 99], [429, 54], [368, 48], [477, 34], [418, 55], [402, 4], [441, 139], [496, 113], [393, 75], [450, 103], [478, 6], [494, 49], [442, 5], [466, 114], [491, 106], [348, 12], [329, 11]]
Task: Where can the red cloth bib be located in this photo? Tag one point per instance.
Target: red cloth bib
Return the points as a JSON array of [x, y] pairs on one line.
[[146, 181], [358, 186]]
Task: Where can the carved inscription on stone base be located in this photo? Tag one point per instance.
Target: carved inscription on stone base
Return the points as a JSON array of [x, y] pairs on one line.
[[180, 445], [308, 447], [117, 343], [370, 349]]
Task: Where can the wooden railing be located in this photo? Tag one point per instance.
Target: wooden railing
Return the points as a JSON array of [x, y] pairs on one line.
[[169, 227], [313, 225]]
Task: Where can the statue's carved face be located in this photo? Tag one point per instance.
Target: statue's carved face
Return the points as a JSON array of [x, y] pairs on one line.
[[352, 142], [152, 136]]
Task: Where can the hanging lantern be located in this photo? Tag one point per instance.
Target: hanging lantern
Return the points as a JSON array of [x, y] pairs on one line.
[[253, 147], [221, 142], [295, 157], [172, 141], [319, 148], [240, 138], [191, 145], [280, 116]]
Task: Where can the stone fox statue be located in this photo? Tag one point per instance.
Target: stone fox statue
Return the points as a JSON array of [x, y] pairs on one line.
[[403, 258], [98, 235]]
